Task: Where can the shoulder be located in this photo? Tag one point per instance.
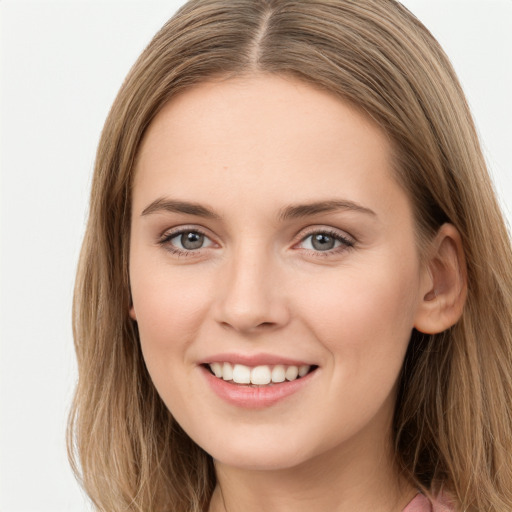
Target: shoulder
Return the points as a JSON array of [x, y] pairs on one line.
[[421, 503]]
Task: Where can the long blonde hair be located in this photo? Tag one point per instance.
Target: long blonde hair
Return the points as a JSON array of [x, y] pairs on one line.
[[453, 425]]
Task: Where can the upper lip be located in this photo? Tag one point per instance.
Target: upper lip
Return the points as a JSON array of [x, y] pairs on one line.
[[255, 360]]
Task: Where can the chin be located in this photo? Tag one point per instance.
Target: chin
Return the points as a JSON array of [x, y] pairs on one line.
[[255, 455], [258, 462]]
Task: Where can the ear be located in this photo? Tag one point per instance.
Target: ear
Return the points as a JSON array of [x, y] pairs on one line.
[[133, 316], [444, 283]]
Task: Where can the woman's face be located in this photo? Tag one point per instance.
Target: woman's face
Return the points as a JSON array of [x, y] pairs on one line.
[[269, 238]]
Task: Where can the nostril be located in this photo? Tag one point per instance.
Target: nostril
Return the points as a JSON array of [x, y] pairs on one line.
[[266, 324], [246, 306], [249, 327]]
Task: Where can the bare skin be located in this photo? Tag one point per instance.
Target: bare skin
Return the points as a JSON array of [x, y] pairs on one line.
[[267, 223]]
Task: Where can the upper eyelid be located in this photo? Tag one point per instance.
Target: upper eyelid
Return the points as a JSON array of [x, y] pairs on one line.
[[165, 238], [169, 234], [178, 230], [311, 230], [303, 234]]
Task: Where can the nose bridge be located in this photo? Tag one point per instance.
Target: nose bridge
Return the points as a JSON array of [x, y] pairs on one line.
[[249, 295]]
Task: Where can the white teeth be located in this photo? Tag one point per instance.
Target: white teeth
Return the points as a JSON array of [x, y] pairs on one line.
[[227, 371], [278, 373], [259, 375], [291, 373], [303, 370], [217, 369], [241, 374]]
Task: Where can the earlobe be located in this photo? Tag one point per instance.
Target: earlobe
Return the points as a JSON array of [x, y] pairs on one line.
[[445, 285], [133, 316]]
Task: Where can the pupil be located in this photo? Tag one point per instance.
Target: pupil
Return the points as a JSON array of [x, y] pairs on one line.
[[192, 240], [322, 242]]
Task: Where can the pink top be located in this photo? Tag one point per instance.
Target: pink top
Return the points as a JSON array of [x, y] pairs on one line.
[[422, 504]]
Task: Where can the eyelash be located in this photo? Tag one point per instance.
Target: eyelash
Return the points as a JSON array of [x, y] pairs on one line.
[[345, 243], [167, 237]]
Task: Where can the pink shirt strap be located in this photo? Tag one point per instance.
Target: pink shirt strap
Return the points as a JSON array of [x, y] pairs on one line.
[[421, 503]]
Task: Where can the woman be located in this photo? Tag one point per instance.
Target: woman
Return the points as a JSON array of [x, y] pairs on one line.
[[295, 286]]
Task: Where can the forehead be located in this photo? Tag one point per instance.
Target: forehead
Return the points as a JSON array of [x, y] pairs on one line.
[[267, 136]]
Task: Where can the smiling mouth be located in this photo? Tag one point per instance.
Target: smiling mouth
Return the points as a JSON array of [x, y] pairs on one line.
[[263, 375]]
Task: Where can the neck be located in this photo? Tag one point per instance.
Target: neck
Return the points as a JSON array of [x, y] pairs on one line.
[[356, 479]]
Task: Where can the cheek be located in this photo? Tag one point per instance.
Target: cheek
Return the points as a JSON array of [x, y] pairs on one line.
[[169, 308], [364, 314]]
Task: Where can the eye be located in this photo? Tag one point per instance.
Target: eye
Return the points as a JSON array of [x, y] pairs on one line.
[[186, 241], [324, 241]]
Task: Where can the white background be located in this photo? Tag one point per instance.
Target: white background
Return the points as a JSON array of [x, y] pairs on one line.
[[61, 66]]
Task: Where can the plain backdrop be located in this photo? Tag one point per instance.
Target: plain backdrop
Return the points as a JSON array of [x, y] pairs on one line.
[[62, 63]]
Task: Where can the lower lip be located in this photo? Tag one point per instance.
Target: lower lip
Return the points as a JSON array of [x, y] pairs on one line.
[[255, 397]]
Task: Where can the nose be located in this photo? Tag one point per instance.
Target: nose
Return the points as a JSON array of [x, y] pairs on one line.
[[251, 297]]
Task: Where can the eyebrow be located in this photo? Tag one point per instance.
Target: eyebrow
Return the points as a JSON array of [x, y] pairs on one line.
[[315, 208], [289, 212], [169, 205]]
